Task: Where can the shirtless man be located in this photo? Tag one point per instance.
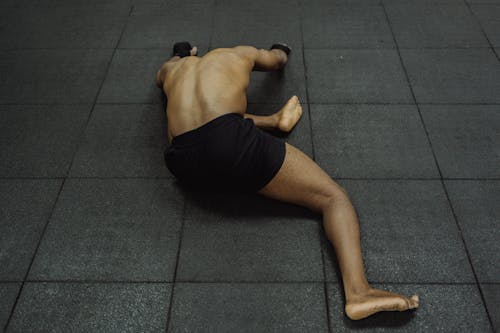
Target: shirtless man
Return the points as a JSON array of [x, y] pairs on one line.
[[215, 144]]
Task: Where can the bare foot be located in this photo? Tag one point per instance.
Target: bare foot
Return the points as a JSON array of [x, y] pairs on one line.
[[289, 114], [376, 300]]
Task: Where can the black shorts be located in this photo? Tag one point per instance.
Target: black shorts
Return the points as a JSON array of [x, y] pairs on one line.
[[227, 153]]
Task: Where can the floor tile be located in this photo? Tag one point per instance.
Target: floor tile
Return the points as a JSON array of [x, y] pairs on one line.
[[123, 234], [339, 26], [131, 77], [51, 76], [126, 140], [465, 139], [408, 233], [25, 208], [491, 294], [8, 294], [356, 76], [75, 3], [63, 27], [231, 237], [418, 26], [83, 307], [443, 308], [278, 86], [160, 26], [427, 2], [112, 229], [476, 206], [300, 136], [489, 17], [453, 75], [5, 4], [252, 307], [341, 2], [40, 140], [483, 1], [248, 23], [374, 141]]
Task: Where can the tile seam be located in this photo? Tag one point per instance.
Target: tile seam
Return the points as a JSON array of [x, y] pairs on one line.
[[437, 283], [106, 72], [313, 153], [443, 185], [174, 278], [254, 103], [337, 178], [354, 178], [9, 319], [478, 22], [336, 48], [23, 282]]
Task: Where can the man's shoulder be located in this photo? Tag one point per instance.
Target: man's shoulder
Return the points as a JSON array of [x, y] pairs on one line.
[[238, 50], [237, 54]]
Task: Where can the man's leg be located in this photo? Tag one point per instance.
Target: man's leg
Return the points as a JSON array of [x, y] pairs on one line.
[[301, 181], [284, 120]]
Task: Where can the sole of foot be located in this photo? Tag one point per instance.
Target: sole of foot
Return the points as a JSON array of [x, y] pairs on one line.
[[376, 300], [289, 114]]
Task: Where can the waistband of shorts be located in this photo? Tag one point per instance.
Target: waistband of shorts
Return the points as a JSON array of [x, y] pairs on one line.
[[200, 133]]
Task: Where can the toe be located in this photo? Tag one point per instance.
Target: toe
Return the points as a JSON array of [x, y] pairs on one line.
[[403, 304], [412, 304], [414, 301]]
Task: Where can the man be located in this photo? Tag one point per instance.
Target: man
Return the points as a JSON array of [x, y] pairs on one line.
[[216, 145]]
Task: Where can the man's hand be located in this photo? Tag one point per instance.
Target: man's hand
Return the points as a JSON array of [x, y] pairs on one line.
[[263, 60], [281, 54]]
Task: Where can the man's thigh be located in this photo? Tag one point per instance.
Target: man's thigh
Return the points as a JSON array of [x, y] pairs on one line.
[[301, 181]]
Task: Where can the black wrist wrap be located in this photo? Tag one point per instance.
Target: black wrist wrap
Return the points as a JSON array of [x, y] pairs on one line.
[[282, 47], [182, 49]]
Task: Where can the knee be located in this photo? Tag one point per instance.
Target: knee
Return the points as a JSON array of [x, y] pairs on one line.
[[334, 195]]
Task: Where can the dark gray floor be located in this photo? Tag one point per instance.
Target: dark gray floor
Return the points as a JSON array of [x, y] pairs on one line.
[[402, 107]]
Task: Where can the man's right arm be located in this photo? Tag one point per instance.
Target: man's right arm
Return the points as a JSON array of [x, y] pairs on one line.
[[263, 60]]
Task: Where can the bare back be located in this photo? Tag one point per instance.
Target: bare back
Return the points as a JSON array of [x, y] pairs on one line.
[[200, 89]]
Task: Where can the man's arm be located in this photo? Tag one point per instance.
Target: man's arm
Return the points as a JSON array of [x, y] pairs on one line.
[[263, 60]]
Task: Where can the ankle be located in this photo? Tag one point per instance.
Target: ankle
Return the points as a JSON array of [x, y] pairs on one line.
[[357, 291], [276, 117]]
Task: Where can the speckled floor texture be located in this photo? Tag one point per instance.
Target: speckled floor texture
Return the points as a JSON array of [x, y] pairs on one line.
[[401, 104]]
